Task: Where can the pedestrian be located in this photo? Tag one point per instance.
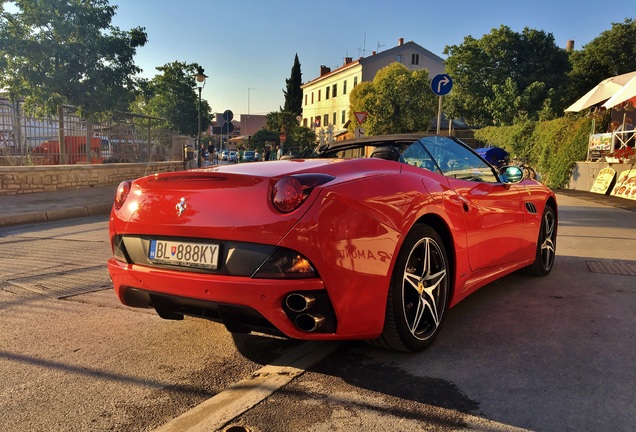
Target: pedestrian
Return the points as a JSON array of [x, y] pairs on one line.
[[267, 153], [628, 125], [613, 126], [623, 129]]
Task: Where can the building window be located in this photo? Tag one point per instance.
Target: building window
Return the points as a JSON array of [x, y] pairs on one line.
[[334, 90], [319, 95], [344, 87], [335, 119], [305, 99], [415, 59], [312, 97], [399, 58], [355, 81], [344, 117], [305, 122], [327, 92], [326, 120]]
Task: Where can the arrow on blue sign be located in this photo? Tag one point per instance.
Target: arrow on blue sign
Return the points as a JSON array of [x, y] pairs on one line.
[[441, 84]]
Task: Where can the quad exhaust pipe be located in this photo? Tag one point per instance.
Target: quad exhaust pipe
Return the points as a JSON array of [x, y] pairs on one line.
[[301, 304], [310, 322], [297, 302]]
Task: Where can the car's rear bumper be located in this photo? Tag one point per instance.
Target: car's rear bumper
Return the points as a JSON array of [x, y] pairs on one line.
[[241, 303]]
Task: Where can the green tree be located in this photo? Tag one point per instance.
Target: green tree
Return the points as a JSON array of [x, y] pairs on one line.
[[173, 95], [263, 137], [55, 52], [505, 71], [285, 123], [507, 106], [612, 53], [397, 101], [281, 121], [303, 136], [293, 92]]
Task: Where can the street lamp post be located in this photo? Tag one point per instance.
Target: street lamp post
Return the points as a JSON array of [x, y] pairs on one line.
[[200, 77], [247, 119], [248, 100]]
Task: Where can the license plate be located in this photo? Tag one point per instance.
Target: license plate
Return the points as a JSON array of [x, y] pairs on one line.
[[197, 255]]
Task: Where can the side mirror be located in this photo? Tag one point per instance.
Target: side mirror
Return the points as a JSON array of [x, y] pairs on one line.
[[511, 174]]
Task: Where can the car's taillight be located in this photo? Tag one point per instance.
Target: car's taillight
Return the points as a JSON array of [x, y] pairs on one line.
[[122, 193], [287, 194], [286, 264], [290, 192]]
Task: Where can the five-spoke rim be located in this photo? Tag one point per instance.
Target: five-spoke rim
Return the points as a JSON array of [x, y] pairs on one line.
[[424, 288], [547, 243]]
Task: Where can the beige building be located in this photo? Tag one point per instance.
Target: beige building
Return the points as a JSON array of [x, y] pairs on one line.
[[326, 98]]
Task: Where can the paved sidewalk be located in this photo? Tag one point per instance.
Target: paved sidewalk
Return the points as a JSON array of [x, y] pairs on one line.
[[608, 200], [70, 203], [50, 206]]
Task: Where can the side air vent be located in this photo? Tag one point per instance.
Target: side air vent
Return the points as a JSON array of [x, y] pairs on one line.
[[531, 208]]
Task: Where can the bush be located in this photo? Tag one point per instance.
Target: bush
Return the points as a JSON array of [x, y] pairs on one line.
[[552, 147]]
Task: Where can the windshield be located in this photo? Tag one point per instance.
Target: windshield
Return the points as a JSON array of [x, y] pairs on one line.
[[450, 158], [439, 154]]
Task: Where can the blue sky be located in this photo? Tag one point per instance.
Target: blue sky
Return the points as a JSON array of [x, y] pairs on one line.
[[247, 47]]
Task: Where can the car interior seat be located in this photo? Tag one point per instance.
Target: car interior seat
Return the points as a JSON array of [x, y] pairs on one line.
[[388, 153], [429, 165]]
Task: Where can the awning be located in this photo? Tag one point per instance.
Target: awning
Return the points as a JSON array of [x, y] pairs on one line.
[[601, 92]]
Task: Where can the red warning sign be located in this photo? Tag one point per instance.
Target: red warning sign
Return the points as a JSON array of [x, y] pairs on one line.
[[360, 117]]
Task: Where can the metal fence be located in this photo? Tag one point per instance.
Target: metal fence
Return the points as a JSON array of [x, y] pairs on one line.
[[126, 137]]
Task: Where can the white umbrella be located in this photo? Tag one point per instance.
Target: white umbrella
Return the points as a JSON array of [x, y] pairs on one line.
[[627, 92], [603, 91]]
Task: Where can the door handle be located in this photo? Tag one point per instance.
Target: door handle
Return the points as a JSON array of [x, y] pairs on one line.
[[462, 202]]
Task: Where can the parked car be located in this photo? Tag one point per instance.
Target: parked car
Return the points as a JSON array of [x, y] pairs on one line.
[[249, 156], [233, 156], [225, 155], [373, 239]]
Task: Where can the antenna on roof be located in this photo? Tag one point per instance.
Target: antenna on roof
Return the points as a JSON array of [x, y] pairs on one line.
[[362, 51], [379, 46]]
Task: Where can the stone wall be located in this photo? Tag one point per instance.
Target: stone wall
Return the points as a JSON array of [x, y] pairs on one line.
[[584, 173], [16, 180]]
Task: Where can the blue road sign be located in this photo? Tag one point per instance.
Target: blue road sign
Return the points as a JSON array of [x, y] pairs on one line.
[[441, 84]]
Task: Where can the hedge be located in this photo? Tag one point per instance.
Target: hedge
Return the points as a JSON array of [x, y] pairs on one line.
[[551, 147]]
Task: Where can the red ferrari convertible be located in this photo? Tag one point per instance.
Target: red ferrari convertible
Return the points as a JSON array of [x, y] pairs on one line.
[[370, 239]]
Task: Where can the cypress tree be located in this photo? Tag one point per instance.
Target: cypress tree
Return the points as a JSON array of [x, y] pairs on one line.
[[293, 92]]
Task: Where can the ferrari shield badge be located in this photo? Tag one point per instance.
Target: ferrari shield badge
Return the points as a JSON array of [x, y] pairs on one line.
[[181, 206]]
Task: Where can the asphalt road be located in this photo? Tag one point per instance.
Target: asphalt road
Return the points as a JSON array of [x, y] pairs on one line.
[[543, 354], [525, 353], [73, 359]]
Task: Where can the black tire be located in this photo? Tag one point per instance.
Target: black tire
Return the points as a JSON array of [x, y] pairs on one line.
[[419, 292], [546, 244]]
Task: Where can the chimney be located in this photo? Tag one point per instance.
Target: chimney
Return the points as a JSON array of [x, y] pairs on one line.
[[569, 46], [324, 70], [400, 41], [347, 60], [372, 52]]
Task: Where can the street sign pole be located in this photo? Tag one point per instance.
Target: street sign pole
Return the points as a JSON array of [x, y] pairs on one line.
[[360, 118], [439, 115], [441, 85]]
